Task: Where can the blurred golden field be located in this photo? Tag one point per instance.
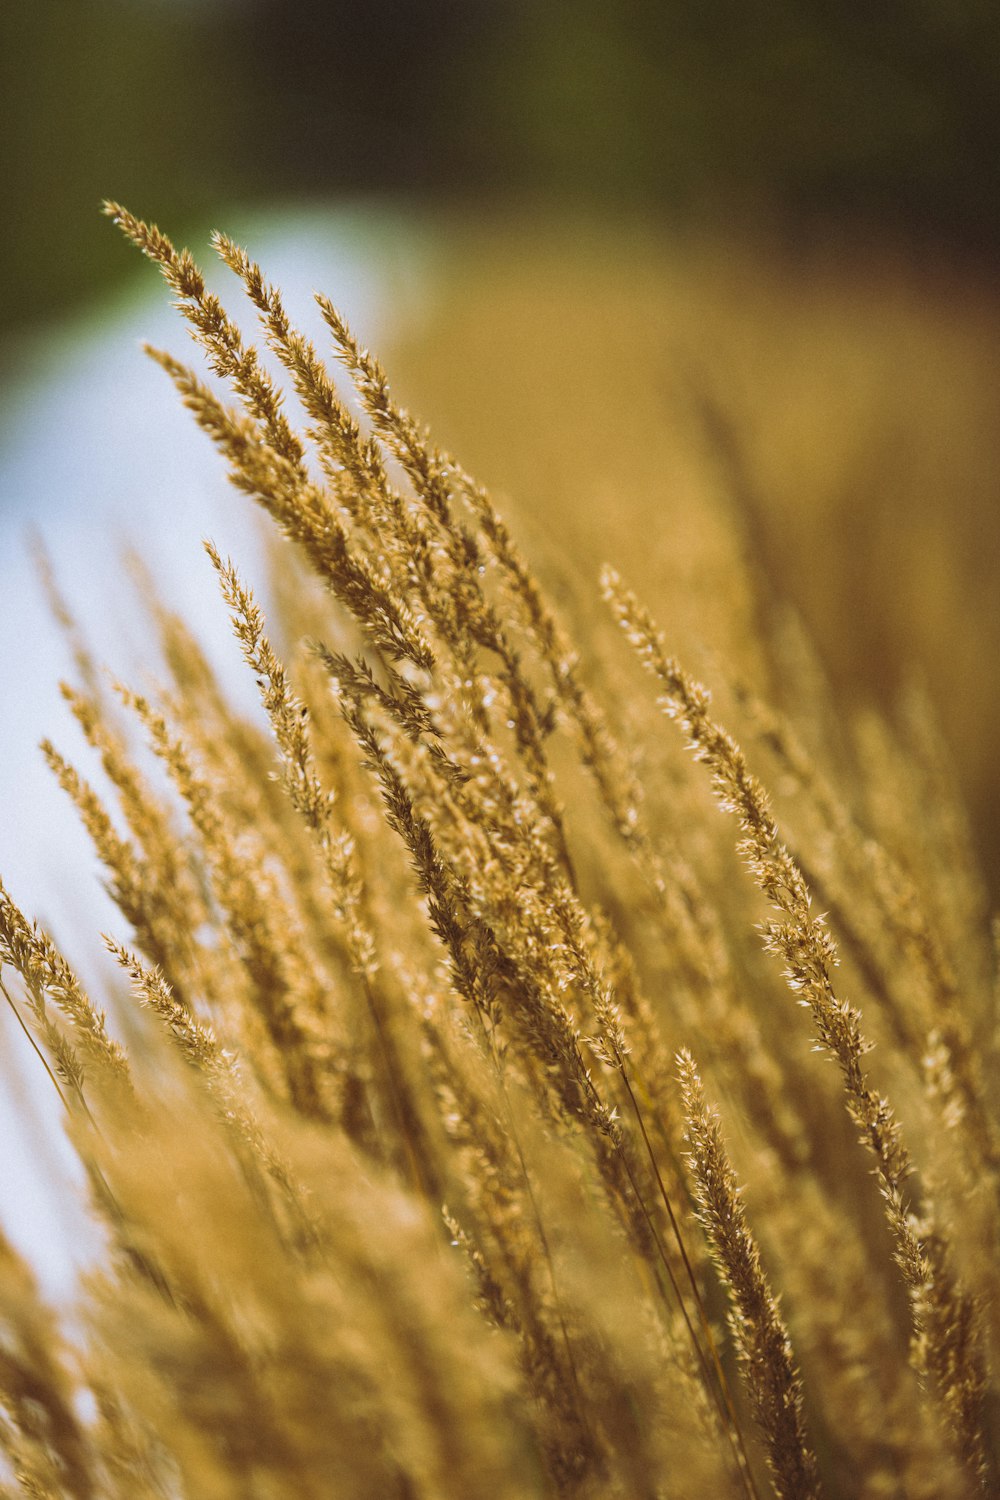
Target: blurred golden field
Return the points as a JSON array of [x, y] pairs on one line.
[[831, 407]]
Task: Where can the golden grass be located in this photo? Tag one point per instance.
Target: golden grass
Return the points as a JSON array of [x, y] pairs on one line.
[[467, 1142]]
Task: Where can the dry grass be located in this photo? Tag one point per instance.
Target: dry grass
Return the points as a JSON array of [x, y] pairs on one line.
[[410, 1180]]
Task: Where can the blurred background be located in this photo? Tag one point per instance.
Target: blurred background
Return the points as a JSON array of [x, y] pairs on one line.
[[673, 276], [803, 112]]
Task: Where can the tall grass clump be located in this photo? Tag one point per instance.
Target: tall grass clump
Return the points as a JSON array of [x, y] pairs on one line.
[[456, 1135]]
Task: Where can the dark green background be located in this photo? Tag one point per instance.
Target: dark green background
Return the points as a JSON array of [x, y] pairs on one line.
[[885, 112]]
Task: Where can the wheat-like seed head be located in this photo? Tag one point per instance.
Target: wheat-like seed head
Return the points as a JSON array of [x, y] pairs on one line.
[[401, 1192]]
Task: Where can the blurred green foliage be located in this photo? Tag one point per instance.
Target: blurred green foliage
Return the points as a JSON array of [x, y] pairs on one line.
[[790, 108]]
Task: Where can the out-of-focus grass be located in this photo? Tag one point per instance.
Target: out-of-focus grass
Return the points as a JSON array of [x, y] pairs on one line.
[[451, 923], [842, 397]]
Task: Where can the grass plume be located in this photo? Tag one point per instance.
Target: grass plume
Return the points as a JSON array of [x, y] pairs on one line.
[[401, 1192]]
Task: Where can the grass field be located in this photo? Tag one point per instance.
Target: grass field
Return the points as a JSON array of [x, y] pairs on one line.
[[464, 1123]]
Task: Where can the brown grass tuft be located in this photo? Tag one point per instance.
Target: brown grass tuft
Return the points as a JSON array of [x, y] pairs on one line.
[[401, 1194]]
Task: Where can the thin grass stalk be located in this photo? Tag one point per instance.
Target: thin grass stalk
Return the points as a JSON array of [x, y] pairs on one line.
[[762, 1339]]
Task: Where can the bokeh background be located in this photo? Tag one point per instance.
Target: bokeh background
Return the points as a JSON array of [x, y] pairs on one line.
[[678, 278], [885, 115]]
